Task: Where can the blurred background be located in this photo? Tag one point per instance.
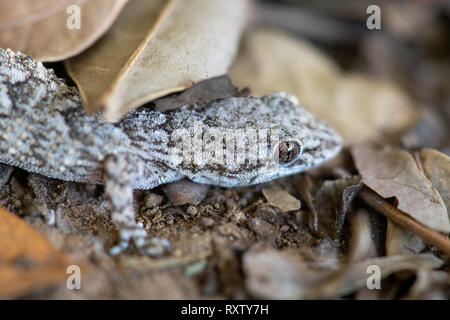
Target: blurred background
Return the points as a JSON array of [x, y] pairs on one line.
[[412, 50]]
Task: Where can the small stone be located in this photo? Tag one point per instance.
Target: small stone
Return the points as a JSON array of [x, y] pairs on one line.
[[192, 211], [262, 228], [185, 192], [281, 199], [152, 200]]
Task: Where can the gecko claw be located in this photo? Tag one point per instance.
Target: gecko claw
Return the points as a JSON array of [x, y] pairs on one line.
[[156, 247], [138, 238]]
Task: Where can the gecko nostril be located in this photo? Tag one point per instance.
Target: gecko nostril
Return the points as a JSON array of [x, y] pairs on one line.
[[289, 151]]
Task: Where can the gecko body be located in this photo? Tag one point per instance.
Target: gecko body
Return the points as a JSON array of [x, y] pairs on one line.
[[229, 142]]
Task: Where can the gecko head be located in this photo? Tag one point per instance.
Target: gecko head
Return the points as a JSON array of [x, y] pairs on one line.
[[304, 141], [273, 137]]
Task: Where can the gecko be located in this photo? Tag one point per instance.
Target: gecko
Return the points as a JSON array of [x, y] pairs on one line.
[[235, 141]]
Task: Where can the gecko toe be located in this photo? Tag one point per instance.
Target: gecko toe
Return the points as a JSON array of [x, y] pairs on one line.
[[156, 247], [138, 240]]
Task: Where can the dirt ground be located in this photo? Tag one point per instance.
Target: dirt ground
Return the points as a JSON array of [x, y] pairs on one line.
[[208, 239]]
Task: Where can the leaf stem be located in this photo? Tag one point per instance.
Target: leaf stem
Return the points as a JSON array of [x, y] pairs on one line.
[[402, 219]]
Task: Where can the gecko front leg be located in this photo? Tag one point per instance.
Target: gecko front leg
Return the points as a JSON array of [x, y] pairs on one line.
[[119, 173]]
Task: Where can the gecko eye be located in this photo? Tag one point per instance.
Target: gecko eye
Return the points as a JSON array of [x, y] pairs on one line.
[[288, 151]]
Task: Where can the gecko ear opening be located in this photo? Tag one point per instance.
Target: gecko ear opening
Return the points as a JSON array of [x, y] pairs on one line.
[[289, 151]]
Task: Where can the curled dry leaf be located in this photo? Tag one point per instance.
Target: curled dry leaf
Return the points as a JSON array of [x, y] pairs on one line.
[[28, 262], [394, 173], [436, 166], [362, 245], [325, 256], [331, 204], [40, 28], [401, 241], [5, 174], [356, 275], [368, 109], [429, 285], [156, 48], [272, 274], [281, 199], [358, 107], [300, 281]]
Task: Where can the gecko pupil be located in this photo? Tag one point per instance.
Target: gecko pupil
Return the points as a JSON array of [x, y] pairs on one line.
[[288, 151]]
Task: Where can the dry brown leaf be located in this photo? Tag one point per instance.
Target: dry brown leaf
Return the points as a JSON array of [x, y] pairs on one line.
[[271, 61], [327, 255], [356, 275], [362, 245], [368, 109], [156, 48], [281, 199], [436, 166], [274, 274], [394, 173], [331, 204], [400, 241], [28, 262], [359, 107], [202, 92], [5, 174], [39, 28], [429, 285], [430, 131], [98, 68]]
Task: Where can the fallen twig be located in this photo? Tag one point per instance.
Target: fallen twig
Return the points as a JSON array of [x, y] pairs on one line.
[[402, 219]]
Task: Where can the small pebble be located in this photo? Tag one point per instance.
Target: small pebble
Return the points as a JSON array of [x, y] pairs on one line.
[[281, 199], [262, 228], [192, 211], [185, 192], [152, 200]]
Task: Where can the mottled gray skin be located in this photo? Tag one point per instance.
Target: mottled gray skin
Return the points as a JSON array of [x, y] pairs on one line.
[[44, 129]]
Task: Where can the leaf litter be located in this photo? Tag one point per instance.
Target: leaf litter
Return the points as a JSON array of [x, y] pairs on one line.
[[249, 242], [39, 28], [156, 48], [27, 260], [394, 173]]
